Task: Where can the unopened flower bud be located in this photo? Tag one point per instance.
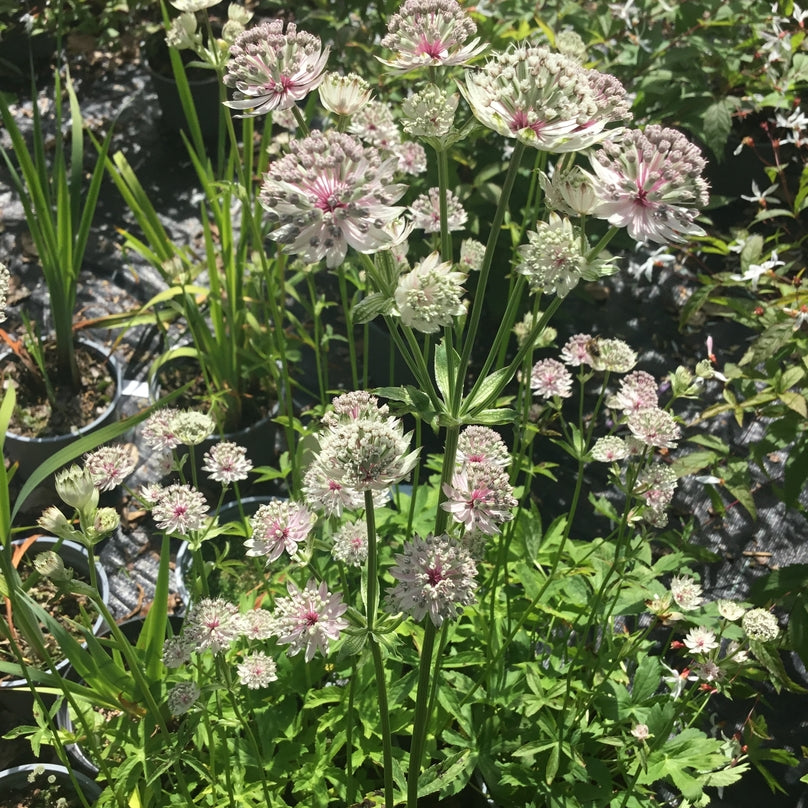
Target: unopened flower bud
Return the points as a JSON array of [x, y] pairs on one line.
[[50, 565], [106, 520], [55, 523], [75, 486], [192, 428], [183, 34], [344, 95]]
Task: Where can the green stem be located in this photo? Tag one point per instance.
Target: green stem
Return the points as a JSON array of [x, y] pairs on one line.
[[349, 327], [443, 191], [421, 720]]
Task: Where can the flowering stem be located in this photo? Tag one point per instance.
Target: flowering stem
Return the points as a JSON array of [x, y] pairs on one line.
[[371, 606], [421, 719], [485, 270], [349, 326], [322, 373], [443, 186]]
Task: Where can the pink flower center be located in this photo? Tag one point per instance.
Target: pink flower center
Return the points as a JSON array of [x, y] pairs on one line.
[[479, 497], [434, 50], [642, 198], [327, 192], [310, 618], [435, 576], [280, 87]]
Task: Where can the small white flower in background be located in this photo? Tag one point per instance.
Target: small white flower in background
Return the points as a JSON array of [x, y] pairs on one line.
[[344, 95], [227, 462], [472, 253], [754, 272], [351, 544], [760, 625], [430, 295], [277, 526], [707, 670], [800, 315], [309, 618], [176, 651], [641, 732], [158, 432], [758, 195], [434, 576], [675, 680], [375, 126], [257, 670], [425, 211], [524, 328], [700, 640], [182, 697], [687, 592], [272, 70], [192, 6], [430, 33], [730, 610], [110, 465], [180, 509], [609, 449], [411, 157], [5, 280], [550, 378], [660, 257], [650, 183]]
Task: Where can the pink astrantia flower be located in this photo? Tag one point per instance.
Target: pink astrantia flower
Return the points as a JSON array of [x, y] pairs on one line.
[[109, 466], [226, 462], [309, 618], [272, 70], [650, 183], [158, 431], [480, 497], [544, 99], [434, 576], [180, 509], [329, 194], [655, 427], [430, 295], [425, 211], [277, 526], [700, 640], [687, 592], [480, 444], [182, 697], [576, 350], [638, 391], [351, 544], [550, 378], [609, 449], [212, 625], [430, 33], [257, 670]]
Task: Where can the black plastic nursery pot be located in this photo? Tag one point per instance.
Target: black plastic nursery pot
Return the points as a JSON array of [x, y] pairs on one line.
[[23, 781], [16, 698], [31, 452]]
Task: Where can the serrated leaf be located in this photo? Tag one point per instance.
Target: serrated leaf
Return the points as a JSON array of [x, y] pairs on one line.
[[693, 462], [796, 402], [370, 307], [717, 122]]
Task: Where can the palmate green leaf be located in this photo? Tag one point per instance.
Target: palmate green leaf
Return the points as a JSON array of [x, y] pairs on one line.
[[450, 776], [717, 123]]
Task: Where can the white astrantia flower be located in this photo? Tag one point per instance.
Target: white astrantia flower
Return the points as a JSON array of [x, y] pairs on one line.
[[760, 625], [426, 215], [700, 640], [429, 112], [344, 95], [430, 295]]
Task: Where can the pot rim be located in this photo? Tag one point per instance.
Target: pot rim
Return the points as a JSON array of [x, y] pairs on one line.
[[91, 789]]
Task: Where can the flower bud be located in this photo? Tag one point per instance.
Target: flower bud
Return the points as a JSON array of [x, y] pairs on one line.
[[106, 520], [75, 486], [192, 428], [50, 565], [55, 523]]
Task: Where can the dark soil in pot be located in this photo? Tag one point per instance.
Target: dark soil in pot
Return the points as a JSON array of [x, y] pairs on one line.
[[38, 786]]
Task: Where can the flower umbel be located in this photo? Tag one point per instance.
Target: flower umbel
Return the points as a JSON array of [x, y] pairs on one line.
[[309, 618], [227, 462], [329, 194], [434, 576], [110, 465], [257, 670], [277, 526], [272, 70], [429, 296], [480, 497], [650, 183], [180, 509], [430, 33]]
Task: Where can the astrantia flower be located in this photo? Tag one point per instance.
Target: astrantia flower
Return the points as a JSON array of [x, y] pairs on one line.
[[552, 260], [613, 355], [158, 432], [425, 211], [270, 69], [576, 350], [429, 112], [650, 183], [430, 33], [760, 625], [226, 462], [480, 444], [183, 33], [411, 158], [344, 95], [609, 449], [429, 296], [309, 618], [329, 194], [472, 253], [686, 592], [730, 610], [325, 494], [550, 378], [212, 625], [480, 497], [434, 576], [182, 697], [109, 466], [192, 428], [700, 640], [277, 526], [354, 405], [570, 192], [544, 99], [367, 454], [656, 484], [257, 670], [257, 624], [375, 126], [655, 427], [638, 391], [707, 671], [351, 544], [176, 651], [75, 487], [180, 509]]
